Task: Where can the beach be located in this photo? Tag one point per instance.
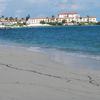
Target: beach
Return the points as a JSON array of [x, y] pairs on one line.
[[35, 76]]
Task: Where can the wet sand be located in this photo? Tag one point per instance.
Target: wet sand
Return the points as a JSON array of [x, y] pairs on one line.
[[26, 75]]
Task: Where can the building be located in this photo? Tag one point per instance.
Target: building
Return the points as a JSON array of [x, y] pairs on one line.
[[8, 22], [73, 16], [68, 17], [36, 20]]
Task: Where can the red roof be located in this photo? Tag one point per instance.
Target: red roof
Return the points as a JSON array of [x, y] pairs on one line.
[[68, 13], [37, 18]]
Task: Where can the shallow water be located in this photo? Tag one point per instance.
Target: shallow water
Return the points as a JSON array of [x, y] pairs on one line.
[[58, 42]]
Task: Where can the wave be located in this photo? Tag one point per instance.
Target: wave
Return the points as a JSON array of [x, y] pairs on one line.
[[71, 59], [60, 54], [64, 57], [35, 49]]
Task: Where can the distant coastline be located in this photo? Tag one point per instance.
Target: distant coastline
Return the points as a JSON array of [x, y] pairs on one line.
[[63, 19]]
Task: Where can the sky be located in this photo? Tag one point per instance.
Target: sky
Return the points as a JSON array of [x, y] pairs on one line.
[[47, 8]]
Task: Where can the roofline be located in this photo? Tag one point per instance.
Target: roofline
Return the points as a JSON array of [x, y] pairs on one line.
[[68, 13], [62, 18]]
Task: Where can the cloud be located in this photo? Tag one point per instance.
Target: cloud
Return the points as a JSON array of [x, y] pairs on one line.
[[75, 6], [81, 5], [37, 2], [3, 6], [62, 4], [19, 13], [47, 7]]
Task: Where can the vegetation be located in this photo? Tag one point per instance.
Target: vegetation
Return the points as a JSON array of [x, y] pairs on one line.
[[98, 23], [11, 18], [18, 21], [27, 17], [42, 22], [52, 21], [19, 24], [63, 21], [6, 18], [82, 23], [73, 21], [87, 23]]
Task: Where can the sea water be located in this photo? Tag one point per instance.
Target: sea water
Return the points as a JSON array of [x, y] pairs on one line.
[[57, 41]]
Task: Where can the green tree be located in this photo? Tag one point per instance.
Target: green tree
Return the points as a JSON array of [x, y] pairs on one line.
[[73, 21], [53, 17], [42, 22], [6, 18], [98, 23], [22, 18], [27, 17], [88, 19], [63, 21], [11, 18], [2, 17], [16, 19]]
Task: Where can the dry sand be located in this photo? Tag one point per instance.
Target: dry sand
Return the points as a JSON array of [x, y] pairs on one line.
[[26, 75]]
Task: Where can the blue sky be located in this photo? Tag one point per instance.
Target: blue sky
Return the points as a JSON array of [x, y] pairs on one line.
[[39, 8]]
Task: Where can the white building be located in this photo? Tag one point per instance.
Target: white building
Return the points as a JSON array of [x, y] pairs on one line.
[[73, 16], [7, 22], [87, 19], [92, 19], [36, 20], [68, 15]]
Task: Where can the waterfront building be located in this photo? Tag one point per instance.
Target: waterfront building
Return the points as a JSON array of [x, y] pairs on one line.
[[8, 22], [35, 20], [68, 17], [87, 19]]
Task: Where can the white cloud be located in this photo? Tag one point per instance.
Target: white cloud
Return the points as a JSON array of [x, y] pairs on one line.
[[46, 7], [62, 4], [77, 4], [19, 12], [3, 6], [37, 1]]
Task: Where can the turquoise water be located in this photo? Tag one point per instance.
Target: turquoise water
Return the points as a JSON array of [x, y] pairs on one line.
[[79, 40]]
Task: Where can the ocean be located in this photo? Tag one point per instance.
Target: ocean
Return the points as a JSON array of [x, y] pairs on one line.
[[81, 41]]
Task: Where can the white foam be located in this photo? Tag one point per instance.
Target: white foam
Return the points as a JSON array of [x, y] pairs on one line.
[[61, 56], [35, 49]]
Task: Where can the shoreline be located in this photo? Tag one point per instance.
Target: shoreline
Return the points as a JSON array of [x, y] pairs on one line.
[[31, 25], [80, 60], [42, 25], [33, 75]]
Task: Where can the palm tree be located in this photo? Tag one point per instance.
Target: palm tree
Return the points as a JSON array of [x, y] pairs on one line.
[[53, 17], [11, 18], [6, 18], [22, 18], [88, 19], [27, 17], [47, 19], [2, 17], [16, 19], [63, 21], [80, 19]]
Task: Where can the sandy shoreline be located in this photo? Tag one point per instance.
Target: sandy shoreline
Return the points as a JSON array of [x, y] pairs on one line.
[[26, 75]]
